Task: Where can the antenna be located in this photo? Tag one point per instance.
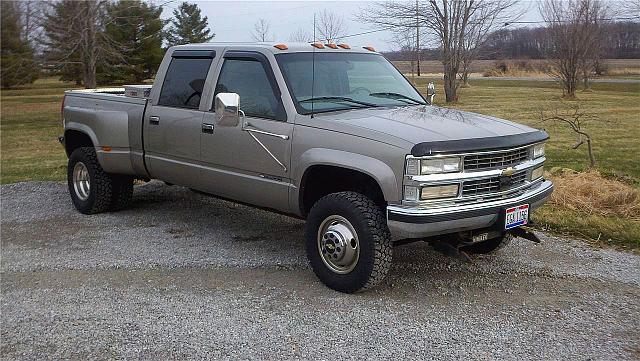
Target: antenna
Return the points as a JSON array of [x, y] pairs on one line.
[[313, 64]]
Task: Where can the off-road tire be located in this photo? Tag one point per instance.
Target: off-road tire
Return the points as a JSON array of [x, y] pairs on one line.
[[121, 193], [370, 224], [488, 246], [101, 189]]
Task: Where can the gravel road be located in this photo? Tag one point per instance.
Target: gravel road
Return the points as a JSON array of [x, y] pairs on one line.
[[185, 275]]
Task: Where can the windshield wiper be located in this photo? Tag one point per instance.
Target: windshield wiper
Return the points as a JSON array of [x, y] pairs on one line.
[[397, 96], [339, 99]]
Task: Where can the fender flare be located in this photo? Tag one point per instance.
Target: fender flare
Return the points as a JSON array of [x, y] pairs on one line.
[[376, 169]]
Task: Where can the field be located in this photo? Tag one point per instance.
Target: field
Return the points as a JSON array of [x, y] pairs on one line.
[[616, 68], [30, 124]]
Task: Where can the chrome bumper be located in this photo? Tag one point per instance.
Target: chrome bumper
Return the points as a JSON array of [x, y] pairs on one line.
[[412, 222]]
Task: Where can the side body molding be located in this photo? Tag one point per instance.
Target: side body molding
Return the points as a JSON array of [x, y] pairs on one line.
[[375, 168]]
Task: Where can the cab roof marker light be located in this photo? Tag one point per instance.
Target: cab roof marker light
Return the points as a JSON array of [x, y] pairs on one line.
[[331, 45], [370, 48], [317, 45], [344, 46], [281, 46]]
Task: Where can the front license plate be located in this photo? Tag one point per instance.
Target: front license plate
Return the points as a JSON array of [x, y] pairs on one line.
[[516, 216]]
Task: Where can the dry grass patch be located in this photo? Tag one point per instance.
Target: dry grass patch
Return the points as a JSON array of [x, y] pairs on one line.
[[591, 193]]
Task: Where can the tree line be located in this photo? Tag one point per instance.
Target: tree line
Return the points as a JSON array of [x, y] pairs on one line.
[[92, 42], [576, 36], [621, 40]]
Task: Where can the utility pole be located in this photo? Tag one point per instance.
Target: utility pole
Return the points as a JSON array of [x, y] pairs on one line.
[[418, 37]]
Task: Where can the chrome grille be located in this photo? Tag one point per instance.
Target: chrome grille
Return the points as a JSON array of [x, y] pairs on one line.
[[496, 159], [490, 185]]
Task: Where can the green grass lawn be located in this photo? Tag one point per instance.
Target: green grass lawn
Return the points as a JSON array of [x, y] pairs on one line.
[[30, 124]]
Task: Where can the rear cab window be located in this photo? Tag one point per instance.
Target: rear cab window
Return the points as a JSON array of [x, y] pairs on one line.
[[184, 81]]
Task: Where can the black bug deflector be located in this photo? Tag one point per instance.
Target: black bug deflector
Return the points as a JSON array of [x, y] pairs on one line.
[[478, 144]]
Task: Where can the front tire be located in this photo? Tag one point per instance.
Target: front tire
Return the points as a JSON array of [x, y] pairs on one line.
[[348, 243]]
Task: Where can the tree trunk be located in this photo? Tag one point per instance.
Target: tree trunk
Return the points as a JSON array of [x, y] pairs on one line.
[[570, 87], [592, 158], [89, 76], [450, 86]]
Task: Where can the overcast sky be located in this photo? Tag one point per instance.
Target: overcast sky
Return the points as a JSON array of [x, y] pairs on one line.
[[234, 20]]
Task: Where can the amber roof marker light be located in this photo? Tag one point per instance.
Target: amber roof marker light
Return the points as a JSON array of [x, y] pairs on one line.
[[281, 46], [317, 45], [331, 45], [370, 48], [344, 46]]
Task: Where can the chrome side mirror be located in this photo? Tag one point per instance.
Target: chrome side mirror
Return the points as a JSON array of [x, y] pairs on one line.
[[227, 108], [431, 92]]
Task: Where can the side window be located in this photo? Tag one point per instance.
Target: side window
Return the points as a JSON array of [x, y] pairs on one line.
[[184, 82], [248, 79]]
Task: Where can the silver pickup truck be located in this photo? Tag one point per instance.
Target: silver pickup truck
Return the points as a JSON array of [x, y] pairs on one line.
[[326, 132]]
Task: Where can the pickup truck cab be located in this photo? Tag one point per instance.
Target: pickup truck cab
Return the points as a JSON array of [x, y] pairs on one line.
[[330, 133]]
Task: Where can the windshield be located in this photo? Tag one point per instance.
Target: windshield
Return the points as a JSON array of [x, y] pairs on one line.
[[344, 81]]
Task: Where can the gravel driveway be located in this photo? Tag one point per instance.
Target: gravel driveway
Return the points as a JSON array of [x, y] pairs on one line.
[[185, 275]]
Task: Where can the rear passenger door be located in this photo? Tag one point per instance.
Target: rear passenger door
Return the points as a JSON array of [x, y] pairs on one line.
[[173, 122]]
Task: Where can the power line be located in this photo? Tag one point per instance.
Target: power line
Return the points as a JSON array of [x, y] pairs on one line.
[[391, 27]]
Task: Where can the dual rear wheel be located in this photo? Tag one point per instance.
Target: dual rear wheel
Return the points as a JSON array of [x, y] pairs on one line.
[[92, 189]]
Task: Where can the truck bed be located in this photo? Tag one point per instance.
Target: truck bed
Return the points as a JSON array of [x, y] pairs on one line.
[[108, 94], [114, 123]]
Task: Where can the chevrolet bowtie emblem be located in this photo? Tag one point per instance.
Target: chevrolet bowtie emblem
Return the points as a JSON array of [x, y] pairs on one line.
[[508, 172]]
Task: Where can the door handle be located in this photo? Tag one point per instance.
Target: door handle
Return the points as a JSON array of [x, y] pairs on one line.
[[154, 120], [207, 128]]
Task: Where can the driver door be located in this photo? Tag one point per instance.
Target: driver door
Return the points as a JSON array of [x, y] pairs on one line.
[[249, 162]]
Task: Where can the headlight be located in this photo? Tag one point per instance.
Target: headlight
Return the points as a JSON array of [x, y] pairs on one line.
[[437, 192], [538, 150], [433, 165], [537, 173]]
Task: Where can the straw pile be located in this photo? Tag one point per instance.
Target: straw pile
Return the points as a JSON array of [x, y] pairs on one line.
[[592, 193]]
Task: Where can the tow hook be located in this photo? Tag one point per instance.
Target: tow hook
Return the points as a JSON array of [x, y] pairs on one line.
[[526, 233]]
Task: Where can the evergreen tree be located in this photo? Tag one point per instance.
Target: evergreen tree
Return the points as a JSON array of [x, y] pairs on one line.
[[18, 62], [188, 26], [135, 26]]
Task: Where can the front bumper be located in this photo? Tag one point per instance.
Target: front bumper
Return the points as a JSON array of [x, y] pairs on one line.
[[412, 222]]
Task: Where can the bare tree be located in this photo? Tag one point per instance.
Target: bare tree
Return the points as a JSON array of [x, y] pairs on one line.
[[330, 26], [31, 13], [576, 118], [75, 33], [458, 25], [574, 33], [261, 31], [301, 36]]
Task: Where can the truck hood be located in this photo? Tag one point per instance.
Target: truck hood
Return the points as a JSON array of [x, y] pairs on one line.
[[430, 128]]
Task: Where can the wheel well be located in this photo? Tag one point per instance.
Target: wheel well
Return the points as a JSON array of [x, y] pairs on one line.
[[320, 180], [74, 139]]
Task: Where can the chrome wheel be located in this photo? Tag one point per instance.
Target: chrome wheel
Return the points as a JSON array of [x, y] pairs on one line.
[[81, 183], [338, 244]]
